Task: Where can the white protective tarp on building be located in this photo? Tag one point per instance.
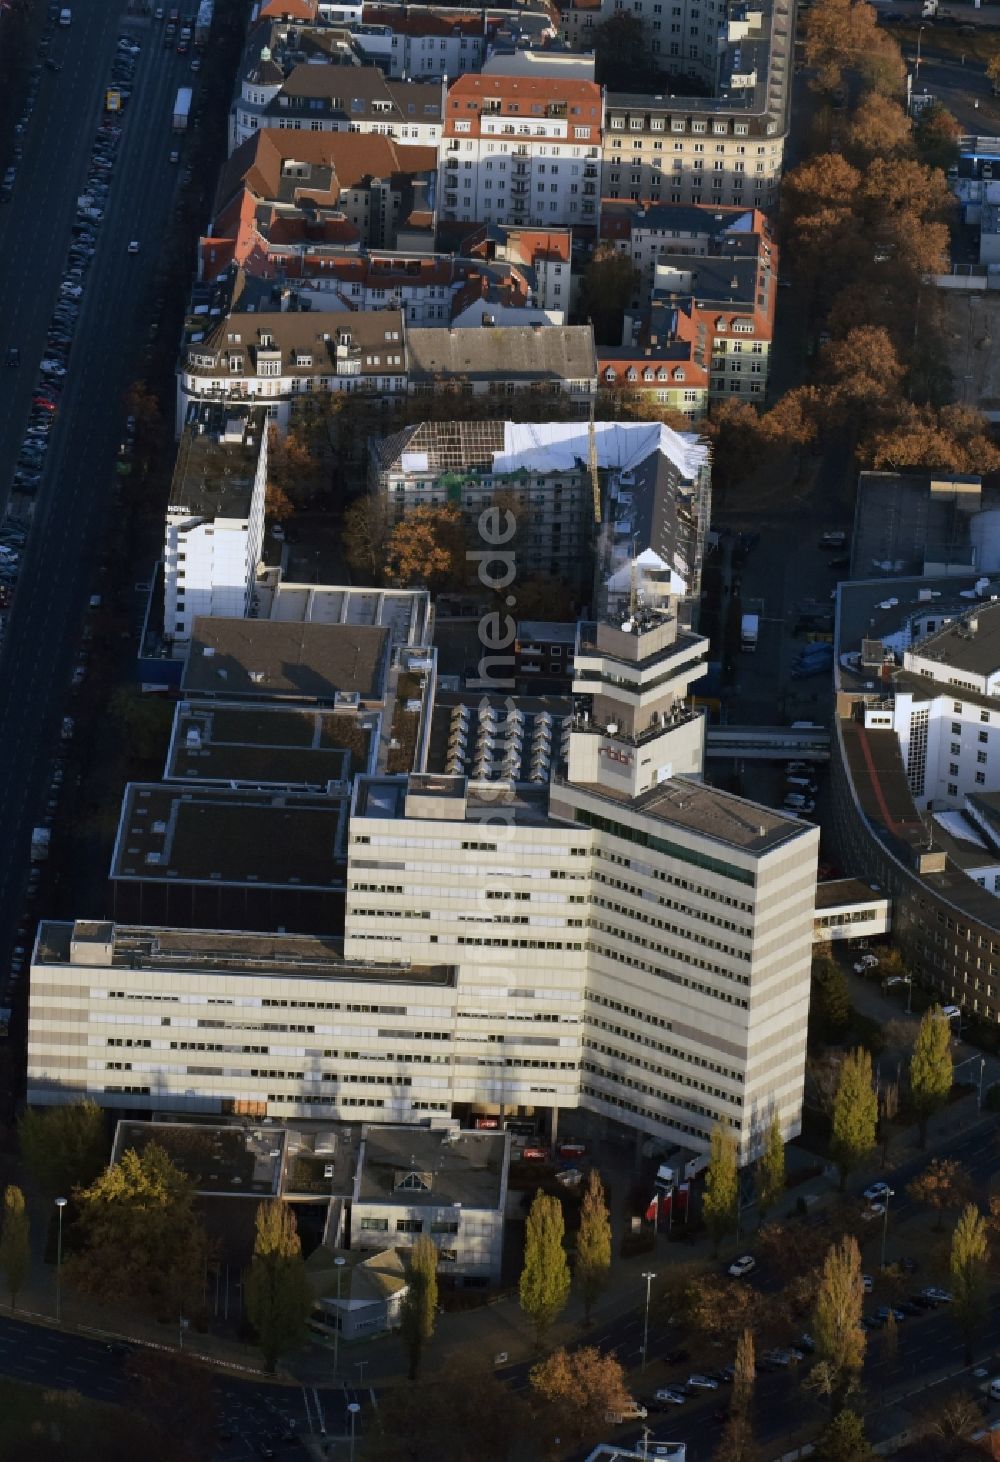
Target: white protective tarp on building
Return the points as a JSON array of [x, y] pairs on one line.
[[558, 446]]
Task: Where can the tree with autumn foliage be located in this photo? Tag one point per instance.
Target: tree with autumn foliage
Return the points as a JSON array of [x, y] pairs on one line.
[[844, 36], [840, 1338], [428, 548], [578, 1389], [946, 439], [879, 127], [943, 1184]]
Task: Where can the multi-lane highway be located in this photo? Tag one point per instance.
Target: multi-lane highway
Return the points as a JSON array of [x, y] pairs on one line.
[[69, 512], [253, 1417]]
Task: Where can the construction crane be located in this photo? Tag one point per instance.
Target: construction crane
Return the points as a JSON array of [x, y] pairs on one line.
[[592, 462]]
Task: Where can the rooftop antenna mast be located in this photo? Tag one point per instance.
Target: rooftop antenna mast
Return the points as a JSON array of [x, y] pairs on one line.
[[633, 578]]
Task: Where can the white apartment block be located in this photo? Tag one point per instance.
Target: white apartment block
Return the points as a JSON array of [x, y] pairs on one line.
[[215, 518], [521, 150]]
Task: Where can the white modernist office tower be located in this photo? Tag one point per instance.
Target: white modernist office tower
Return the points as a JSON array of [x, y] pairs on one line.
[[626, 939]]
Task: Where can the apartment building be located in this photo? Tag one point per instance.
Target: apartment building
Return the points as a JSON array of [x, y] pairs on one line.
[[554, 360], [334, 98], [275, 359], [299, 189], [215, 517], [701, 323], [523, 150]]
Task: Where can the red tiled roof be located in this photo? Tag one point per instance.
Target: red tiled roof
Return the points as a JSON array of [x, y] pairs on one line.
[[288, 10]]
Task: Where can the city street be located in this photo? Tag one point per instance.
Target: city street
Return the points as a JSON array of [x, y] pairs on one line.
[[60, 559]]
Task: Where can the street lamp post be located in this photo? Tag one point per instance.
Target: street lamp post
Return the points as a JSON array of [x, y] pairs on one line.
[[60, 1205], [979, 1097], [340, 1261], [353, 1408], [360, 1364], [916, 70], [648, 1276]]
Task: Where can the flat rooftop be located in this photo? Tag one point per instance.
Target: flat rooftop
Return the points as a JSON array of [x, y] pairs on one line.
[[298, 956], [287, 661], [839, 893], [892, 611], [970, 643], [405, 613], [257, 745], [217, 459], [731, 821], [216, 835], [438, 1169], [220, 1160], [906, 520], [385, 798]]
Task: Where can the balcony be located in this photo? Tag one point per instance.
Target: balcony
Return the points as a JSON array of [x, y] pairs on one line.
[[679, 715]]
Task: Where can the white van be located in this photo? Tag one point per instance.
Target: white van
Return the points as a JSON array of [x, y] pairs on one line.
[[65, 17]]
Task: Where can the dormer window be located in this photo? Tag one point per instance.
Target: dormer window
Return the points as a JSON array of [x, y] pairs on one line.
[[678, 374]]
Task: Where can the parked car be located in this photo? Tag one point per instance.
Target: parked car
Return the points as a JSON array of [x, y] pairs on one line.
[[745, 1264], [875, 1191]]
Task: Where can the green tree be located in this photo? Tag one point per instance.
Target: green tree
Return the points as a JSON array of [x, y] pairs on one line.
[[63, 1147], [771, 1171], [844, 1440], [936, 135], [138, 1234], [277, 1296], [15, 1243], [416, 1316], [969, 1254], [930, 1067], [545, 1278], [720, 1201], [830, 1002], [840, 1340], [855, 1113], [621, 52], [606, 290], [593, 1244], [146, 721]]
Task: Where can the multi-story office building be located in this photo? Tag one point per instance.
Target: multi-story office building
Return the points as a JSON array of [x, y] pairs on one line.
[[215, 517], [521, 150], [633, 942]]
